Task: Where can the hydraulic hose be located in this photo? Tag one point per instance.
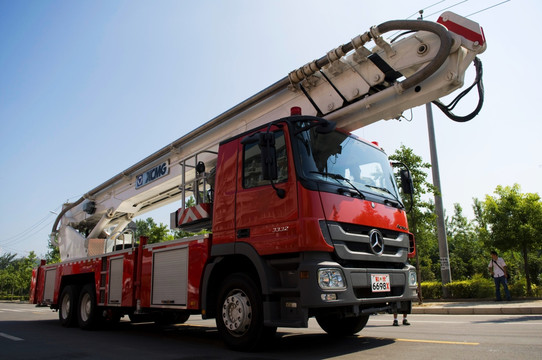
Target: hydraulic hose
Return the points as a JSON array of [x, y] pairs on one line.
[[447, 109], [440, 57], [394, 25], [64, 211]]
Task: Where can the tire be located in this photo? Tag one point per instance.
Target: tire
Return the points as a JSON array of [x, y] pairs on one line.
[[87, 311], [239, 315], [342, 326], [67, 307]]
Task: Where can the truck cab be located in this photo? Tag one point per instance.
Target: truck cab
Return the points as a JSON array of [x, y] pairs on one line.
[[313, 217]]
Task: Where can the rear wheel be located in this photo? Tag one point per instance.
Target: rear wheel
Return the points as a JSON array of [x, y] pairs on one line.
[[342, 326], [240, 314], [88, 316], [67, 312]]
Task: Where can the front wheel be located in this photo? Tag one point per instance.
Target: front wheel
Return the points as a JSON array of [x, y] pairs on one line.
[[342, 326], [240, 314]]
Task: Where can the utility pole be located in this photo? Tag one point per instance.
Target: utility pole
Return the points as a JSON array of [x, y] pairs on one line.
[[445, 271], [441, 232]]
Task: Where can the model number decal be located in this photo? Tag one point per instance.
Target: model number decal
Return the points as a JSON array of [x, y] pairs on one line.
[[280, 229]]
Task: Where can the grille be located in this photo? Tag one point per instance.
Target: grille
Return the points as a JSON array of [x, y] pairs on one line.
[[352, 243]]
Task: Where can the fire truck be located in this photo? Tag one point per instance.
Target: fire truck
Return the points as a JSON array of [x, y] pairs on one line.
[[303, 218]]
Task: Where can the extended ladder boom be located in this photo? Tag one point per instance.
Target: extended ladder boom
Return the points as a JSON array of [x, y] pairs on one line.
[[351, 85]]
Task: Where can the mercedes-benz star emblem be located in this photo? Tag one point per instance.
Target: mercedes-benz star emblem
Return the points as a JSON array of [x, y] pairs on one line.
[[376, 241]]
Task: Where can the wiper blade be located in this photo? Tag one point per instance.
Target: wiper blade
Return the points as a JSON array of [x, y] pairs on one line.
[[387, 191], [339, 177]]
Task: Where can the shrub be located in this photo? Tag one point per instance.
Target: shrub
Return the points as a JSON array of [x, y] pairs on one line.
[[519, 288], [13, 297], [431, 289], [476, 288]]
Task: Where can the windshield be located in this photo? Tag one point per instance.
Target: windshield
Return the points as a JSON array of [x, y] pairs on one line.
[[340, 158]]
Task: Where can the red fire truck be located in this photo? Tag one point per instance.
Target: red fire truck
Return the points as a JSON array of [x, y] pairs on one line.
[[304, 219]]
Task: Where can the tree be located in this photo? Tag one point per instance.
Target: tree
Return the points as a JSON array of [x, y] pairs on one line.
[[6, 259], [16, 273], [53, 254], [155, 233], [422, 218], [513, 221], [466, 250]]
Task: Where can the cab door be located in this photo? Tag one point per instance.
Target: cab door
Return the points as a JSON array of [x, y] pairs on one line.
[[263, 219]]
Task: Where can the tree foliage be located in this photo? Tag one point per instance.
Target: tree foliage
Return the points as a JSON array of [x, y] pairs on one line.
[[53, 254], [512, 221], [467, 256], [155, 232], [421, 218], [15, 274]]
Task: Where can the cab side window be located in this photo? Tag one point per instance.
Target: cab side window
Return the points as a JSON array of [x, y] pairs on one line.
[[252, 165]]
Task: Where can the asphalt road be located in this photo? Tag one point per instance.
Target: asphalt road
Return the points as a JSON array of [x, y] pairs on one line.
[[27, 332]]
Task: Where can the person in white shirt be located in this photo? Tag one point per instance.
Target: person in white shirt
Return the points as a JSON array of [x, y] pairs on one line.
[[497, 268]]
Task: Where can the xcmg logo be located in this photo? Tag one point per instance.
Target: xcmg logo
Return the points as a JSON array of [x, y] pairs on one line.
[[152, 174]]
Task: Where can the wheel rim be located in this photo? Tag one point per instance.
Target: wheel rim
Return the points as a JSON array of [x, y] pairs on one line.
[[65, 306], [86, 305], [237, 312]]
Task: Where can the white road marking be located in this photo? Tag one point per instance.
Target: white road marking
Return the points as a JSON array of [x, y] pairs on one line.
[[11, 337]]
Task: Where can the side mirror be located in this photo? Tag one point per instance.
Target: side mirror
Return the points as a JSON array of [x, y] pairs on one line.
[[325, 127], [406, 182], [251, 139]]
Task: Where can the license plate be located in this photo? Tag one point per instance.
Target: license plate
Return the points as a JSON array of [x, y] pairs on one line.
[[380, 282]]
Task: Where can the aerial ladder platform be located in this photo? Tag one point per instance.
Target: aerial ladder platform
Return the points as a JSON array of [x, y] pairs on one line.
[[352, 85]]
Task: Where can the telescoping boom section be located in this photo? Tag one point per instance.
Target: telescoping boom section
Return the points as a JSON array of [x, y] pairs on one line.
[[303, 218], [350, 85]]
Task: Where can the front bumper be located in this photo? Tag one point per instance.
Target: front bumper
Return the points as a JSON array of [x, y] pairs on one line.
[[357, 290]]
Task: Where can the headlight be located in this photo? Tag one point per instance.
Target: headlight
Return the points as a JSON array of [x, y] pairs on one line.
[[412, 278], [331, 279]]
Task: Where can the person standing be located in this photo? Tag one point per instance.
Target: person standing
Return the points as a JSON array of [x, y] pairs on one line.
[[498, 270], [396, 323]]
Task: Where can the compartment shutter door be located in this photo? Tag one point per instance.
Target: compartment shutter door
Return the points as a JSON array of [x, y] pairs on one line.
[[170, 277], [115, 280], [49, 288]]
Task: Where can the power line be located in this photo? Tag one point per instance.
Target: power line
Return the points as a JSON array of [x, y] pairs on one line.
[[420, 12], [27, 234], [32, 229], [26, 231], [13, 250], [487, 8], [425, 8], [449, 7]]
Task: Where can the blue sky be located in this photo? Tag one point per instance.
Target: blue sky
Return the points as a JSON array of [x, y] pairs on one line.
[[88, 88]]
